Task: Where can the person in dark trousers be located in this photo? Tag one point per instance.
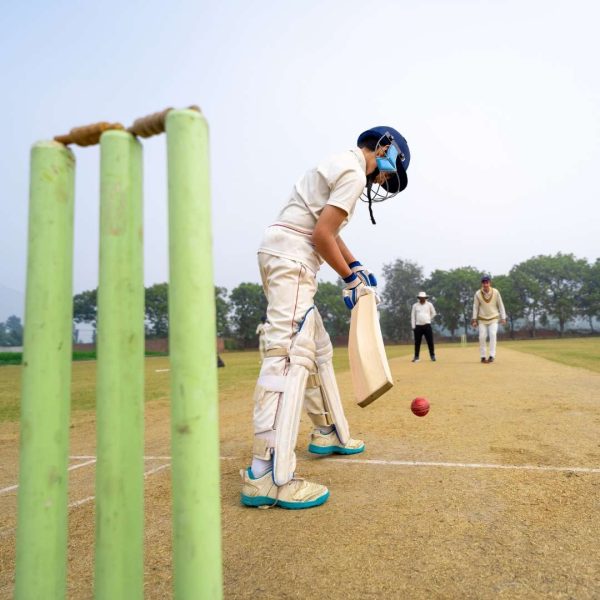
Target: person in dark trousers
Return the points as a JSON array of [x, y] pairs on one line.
[[421, 316]]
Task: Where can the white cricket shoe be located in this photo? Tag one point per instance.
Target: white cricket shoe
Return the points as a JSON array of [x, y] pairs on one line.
[[329, 443], [297, 493]]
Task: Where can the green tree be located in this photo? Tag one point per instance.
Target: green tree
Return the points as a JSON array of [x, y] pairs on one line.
[[403, 280], [589, 295], [11, 332], [561, 277], [452, 294], [526, 281], [157, 309], [248, 304], [511, 300], [447, 304], [85, 308], [222, 311], [336, 316]]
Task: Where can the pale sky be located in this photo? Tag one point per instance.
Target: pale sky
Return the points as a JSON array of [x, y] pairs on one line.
[[499, 102]]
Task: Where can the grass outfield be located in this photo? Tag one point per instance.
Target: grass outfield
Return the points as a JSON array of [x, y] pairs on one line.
[[575, 352], [15, 358], [242, 369]]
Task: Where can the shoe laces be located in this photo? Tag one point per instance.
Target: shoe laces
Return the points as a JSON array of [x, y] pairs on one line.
[[268, 506]]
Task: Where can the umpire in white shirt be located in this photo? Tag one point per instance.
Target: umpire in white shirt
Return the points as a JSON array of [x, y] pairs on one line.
[[420, 320]]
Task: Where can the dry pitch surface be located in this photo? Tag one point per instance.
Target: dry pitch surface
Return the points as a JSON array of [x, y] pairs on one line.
[[494, 494]]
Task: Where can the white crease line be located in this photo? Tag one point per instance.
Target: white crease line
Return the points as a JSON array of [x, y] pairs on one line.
[[414, 463], [400, 463], [12, 488], [84, 457], [161, 370], [150, 457], [397, 463], [83, 464], [90, 460], [156, 470], [83, 501]]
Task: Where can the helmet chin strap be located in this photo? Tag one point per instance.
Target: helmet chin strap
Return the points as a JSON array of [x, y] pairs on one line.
[[369, 185], [378, 195]]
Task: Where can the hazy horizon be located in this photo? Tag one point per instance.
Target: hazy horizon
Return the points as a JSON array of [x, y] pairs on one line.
[[498, 102]]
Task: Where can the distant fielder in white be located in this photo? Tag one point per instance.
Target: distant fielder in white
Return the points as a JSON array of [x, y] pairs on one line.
[[260, 332], [297, 369], [487, 310]]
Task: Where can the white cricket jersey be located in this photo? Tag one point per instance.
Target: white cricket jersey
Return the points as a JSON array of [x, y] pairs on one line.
[[422, 314], [338, 180]]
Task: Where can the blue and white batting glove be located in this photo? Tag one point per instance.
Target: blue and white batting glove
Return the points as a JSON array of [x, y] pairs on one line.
[[354, 289], [365, 275]]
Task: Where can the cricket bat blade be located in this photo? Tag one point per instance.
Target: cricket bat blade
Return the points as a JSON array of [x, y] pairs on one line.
[[371, 376]]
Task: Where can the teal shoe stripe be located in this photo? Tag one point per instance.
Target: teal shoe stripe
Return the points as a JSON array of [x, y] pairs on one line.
[[296, 505], [266, 501], [257, 500], [321, 449], [334, 449]]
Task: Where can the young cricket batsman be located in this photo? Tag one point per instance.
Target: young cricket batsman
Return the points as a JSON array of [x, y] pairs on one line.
[[297, 370]]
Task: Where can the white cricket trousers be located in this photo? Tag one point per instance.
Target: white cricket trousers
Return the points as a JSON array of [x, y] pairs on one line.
[[485, 330], [290, 288]]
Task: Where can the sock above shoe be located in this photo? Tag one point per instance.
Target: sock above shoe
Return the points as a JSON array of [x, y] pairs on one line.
[[260, 467], [326, 430]]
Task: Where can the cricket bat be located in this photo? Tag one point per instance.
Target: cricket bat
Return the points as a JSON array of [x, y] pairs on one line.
[[371, 375]]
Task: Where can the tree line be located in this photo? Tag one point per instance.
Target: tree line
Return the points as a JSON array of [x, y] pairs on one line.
[[237, 312], [538, 292], [541, 292]]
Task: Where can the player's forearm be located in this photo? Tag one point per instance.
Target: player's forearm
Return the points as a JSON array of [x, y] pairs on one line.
[[501, 309], [475, 312], [325, 240], [348, 256], [327, 246]]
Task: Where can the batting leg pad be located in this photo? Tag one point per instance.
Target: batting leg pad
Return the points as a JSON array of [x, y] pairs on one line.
[[323, 401], [269, 386], [272, 410], [301, 363]]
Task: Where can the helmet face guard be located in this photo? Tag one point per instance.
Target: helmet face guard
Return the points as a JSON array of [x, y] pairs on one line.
[[389, 179], [387, 163]]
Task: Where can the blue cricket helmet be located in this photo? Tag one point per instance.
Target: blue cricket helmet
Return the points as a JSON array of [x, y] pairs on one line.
[[386, 136]]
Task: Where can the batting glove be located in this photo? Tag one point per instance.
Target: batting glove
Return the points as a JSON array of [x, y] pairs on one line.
[[354, 289], [365, 275]]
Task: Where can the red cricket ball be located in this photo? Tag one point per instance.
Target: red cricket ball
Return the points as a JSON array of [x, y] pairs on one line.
[[420, 406]]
